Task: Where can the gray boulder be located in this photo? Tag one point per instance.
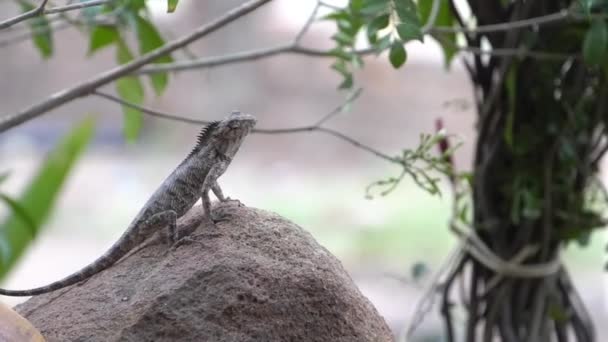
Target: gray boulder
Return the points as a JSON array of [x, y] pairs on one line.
[[254, 277]]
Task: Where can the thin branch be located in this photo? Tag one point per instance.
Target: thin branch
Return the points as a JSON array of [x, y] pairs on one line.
[[310, 128], [42, 10], [210, 62], [350, 99], [518, 52], [309, 22], [77, 5], [330, 6], [24, 16], [88, 86], [453, 262], [58, 23], [252, 55], [294, 48], [149, 111], [506, 26], [358, 144], [432, 18], [27, 35]]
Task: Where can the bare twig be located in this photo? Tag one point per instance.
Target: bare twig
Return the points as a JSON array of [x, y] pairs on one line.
[[210, 62], [42, 10], [309, 21], [330, 6], [88, 86], [506, 26], [545, 19], [518, 24], [427, 301], [77, 5], [432, 18], [27, 35], [352, 97], [149, 111], [246, 56], [58, 23], [317, 127], [24, 16], [518, 52], [358, 144]]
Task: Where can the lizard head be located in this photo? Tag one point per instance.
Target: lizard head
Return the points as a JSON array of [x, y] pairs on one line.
[[236, 125], [226, 135]]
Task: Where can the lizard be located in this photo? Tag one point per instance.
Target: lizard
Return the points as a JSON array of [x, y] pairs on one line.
[[193, 178]]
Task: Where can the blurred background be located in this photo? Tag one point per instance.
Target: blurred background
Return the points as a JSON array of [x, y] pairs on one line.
[[312, 179]]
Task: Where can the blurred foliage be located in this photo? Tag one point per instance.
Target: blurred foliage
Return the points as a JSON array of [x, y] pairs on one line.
[[171, 5], [108, 26], [37, 200], [420, 164], [42, 35], [388, 25]]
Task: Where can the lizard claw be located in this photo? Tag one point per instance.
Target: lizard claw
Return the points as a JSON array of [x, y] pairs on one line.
[[238, 202], [220, 217]]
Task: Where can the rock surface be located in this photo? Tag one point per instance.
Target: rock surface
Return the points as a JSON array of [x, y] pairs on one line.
[[253, 277]]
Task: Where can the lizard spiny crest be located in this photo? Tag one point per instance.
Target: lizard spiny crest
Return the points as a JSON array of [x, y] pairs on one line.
[[203, 137]]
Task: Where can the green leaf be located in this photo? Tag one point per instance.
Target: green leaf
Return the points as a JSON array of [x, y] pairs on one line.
[[340, 67], [374, 7], [419, 270], [407, 10], [102, 36], [340, 53], [594, 44], [149, 39], [408, 31], [345, 26], [41, 31], [171, 5], [557, 312], [20, 212], [397, 55], [336, 16], [383, 44], [123, 53], [343, 39], [357, 61], [130, 89], [355, 5], [376, 25], [347, 83], [90, 14], [40, 195], [134, 5]]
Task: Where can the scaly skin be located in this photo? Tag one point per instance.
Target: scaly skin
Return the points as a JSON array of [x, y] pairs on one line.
[[217, 144]]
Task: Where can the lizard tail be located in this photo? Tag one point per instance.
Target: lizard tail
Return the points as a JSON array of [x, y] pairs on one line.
[[103, 262]]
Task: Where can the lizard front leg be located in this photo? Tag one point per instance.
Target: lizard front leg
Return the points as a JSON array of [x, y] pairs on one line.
[[218, 192], [220, 195], [210, 183], [207, 207]]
